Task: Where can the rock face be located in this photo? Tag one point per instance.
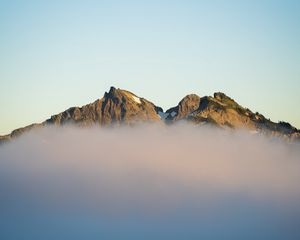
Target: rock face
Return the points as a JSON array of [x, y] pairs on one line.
[[187, 105], [123, 107], [222, 111], [117, 106]]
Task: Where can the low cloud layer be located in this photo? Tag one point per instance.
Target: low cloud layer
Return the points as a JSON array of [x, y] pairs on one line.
[[149, 182]]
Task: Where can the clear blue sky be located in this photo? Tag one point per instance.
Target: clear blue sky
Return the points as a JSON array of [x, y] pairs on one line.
[[58, 54]]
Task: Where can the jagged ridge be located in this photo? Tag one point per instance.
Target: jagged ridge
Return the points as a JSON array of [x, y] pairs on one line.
[[123, 107]]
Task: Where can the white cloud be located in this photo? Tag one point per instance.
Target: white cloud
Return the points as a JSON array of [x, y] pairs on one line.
[[158, 180]]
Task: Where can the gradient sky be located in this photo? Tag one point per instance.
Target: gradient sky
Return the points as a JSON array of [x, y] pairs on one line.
[[58, 54]]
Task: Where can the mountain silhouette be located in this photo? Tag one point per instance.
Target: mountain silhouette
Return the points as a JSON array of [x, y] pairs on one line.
[[121, 107]]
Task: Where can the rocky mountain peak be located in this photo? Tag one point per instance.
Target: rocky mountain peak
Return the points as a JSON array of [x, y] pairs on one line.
[[112, 89], [221, 96], [113, 93], [117, 106], [224, 99], [126, 107], [186, 106], [123, 107]]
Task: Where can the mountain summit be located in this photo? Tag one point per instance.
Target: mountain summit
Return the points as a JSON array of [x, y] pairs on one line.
[[117, 106], [121, 107], [222, 111]]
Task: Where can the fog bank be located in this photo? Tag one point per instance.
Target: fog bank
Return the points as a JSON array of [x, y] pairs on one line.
[[148, 182]]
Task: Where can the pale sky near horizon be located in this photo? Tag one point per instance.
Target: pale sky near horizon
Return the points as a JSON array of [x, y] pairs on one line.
[[59, 54]]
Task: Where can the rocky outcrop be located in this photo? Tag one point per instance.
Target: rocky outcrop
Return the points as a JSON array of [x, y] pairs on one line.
[[123, 107], [222, 111], [117, 106], [186, 106]]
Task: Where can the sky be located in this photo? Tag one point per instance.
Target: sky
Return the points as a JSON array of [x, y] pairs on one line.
[[58, 54]]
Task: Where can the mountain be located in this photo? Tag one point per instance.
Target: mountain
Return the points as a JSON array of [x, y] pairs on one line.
[[121, 107], [222, 111], [117, 106]]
